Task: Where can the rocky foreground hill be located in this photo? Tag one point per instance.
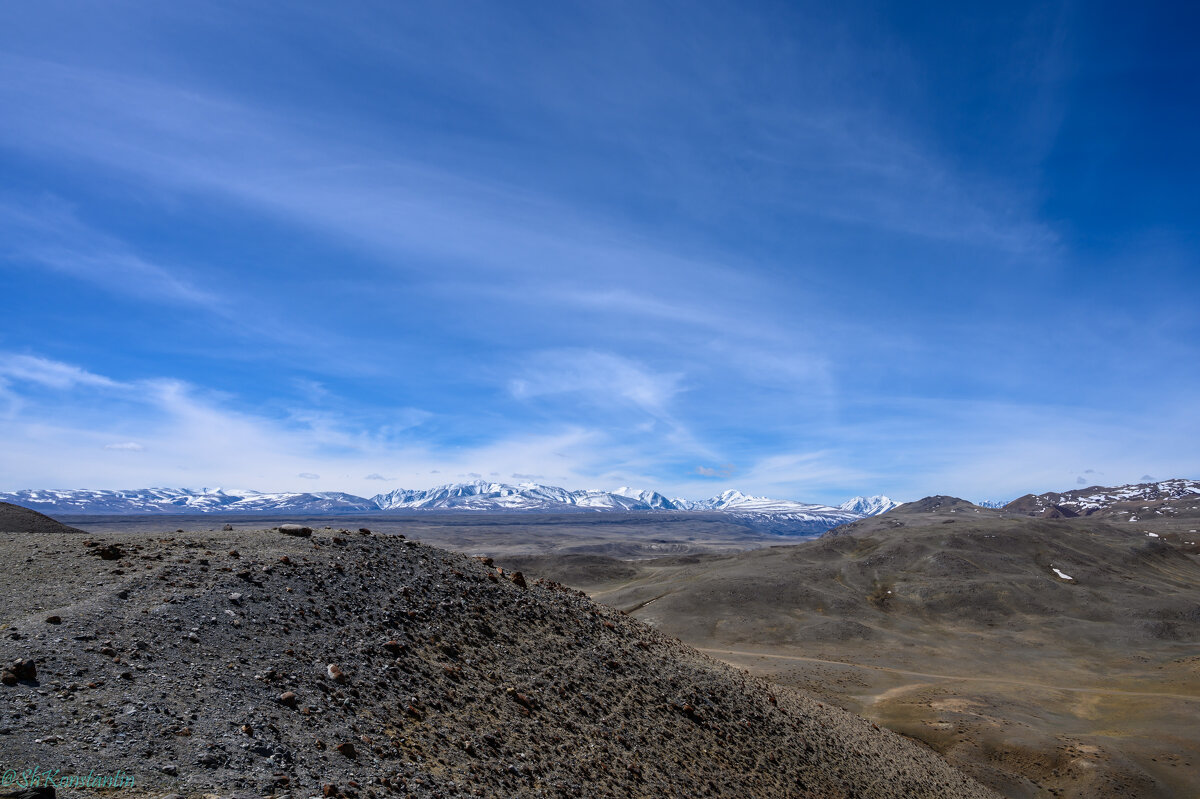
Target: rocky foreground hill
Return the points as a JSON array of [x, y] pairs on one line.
[[353, 664], [15, 517]]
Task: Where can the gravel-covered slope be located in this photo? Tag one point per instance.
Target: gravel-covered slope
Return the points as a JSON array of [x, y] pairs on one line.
[[357, 664]]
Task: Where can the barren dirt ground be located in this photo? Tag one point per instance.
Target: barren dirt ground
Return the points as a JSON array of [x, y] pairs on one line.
[[966, 640], [1022, 734]]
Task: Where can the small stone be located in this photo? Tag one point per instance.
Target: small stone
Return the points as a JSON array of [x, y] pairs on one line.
[[521, 699], [395, 647], [518, 579], [336, 674], [54, 620], [347, 749], [170, 769], [296, 530], [228, 528], [23, 670], [328, 789], [364, 530], [288, 699]]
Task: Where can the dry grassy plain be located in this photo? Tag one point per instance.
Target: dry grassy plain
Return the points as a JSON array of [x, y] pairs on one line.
[[953, 628]]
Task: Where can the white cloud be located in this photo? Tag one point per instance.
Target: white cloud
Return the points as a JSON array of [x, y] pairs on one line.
[[725, 470], [49, 234], [597, 378], [48, 373], [190, 437]]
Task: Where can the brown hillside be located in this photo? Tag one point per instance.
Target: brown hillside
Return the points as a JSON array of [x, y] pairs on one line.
[[16, 519]]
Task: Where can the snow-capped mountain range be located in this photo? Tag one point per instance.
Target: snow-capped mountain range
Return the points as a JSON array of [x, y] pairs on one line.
[[183, 500], [778, 515], [1164, 497], [521, 497]]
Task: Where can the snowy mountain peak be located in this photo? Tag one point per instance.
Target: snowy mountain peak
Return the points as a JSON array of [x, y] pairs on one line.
[[651, 499], [869, 506]]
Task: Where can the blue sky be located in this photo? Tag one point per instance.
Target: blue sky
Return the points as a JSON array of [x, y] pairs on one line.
[[801, 250]]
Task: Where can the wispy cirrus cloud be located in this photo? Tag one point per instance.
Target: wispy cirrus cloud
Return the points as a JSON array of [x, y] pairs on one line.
[[50, 235], [192, 141], [49, 373], [597, 378]]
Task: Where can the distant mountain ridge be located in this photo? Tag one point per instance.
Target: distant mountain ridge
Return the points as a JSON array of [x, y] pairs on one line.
[[776, 515], [1164, 499], [484, 496], [183, 500], [1177, 497]]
